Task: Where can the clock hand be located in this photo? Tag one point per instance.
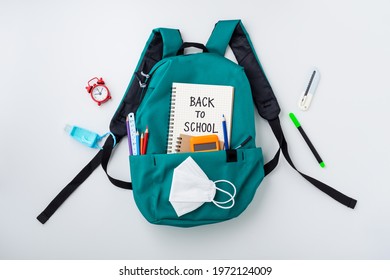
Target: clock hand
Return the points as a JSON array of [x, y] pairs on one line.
[[99, 92]]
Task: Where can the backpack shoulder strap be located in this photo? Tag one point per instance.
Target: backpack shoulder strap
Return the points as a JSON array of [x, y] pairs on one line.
[[162, 43], [233, 33]]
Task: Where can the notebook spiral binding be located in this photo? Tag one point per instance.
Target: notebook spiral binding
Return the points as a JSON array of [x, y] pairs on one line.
[[171, 144]]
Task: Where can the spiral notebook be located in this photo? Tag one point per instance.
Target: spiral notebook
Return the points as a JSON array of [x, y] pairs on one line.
[[197, 109]]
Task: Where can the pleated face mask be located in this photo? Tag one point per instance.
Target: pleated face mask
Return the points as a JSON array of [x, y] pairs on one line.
[[191, 188]]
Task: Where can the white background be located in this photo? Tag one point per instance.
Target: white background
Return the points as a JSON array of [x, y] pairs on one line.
[[50, 49]]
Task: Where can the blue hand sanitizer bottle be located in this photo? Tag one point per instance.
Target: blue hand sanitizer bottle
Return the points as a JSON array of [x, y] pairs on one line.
[[86, 137]]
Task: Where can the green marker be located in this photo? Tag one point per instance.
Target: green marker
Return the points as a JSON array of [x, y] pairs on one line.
[[315, 153]]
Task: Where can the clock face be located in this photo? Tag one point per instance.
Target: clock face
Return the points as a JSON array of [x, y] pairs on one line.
[[99, 93]]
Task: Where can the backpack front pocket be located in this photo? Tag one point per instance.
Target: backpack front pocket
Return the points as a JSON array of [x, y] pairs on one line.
[[152, 178]]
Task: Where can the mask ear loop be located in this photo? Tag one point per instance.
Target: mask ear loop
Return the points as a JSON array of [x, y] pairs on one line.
[[231, 199]]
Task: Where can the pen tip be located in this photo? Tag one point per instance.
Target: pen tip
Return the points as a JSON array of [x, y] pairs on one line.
[[322, 164]]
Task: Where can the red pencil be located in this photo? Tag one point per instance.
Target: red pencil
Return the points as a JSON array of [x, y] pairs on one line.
[[146, 138], [141, 141]]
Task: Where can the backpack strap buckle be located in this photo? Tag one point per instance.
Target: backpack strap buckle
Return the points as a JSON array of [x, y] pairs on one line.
[[142, 78]]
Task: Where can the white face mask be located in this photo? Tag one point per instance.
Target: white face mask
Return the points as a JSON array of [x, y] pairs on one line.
[[191, 188]]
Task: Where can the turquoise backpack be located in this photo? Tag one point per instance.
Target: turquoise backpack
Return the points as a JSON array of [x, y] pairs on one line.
[[148, 95]]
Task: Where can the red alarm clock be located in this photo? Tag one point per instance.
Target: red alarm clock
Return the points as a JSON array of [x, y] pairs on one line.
[[98, 90]]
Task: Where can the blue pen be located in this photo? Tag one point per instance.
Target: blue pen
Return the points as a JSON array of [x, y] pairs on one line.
[[225, 134], [137, 141]]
